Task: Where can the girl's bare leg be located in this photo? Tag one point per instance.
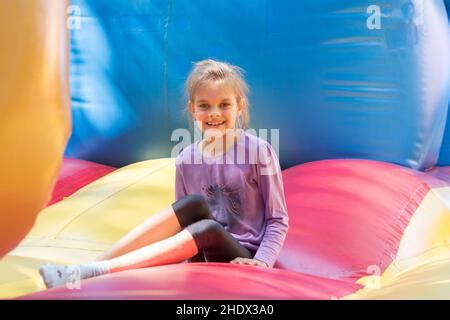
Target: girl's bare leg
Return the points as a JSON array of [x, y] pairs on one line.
[[176, 248], [160, 225]]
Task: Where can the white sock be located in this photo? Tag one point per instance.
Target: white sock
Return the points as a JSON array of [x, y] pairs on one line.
[[56, 275]]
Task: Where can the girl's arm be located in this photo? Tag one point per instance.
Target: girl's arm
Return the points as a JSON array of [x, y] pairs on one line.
[[276, 216]]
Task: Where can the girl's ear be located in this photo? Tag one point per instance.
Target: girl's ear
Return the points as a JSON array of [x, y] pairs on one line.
[[191, 108], [242, 105]]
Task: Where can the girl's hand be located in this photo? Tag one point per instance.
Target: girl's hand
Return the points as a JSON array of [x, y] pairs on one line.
[[251, 262]]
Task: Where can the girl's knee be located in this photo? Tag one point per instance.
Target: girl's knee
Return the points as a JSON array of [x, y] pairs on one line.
[[191, 208], [199, 204], [206, 232], [208, 226], [205, 226]]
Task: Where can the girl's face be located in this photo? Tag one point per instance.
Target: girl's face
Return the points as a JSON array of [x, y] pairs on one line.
[[215, 106]]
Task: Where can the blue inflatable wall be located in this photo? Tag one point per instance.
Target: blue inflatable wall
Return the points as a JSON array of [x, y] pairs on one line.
[[444, 156], [339, 79]]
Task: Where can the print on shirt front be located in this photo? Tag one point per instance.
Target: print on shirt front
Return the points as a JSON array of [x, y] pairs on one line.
[[225, 201]]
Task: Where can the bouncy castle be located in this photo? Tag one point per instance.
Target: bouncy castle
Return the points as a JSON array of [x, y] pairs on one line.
[[356, 93]]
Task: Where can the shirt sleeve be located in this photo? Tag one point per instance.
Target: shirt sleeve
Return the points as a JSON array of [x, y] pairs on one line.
[[276, 215], [180, 188]]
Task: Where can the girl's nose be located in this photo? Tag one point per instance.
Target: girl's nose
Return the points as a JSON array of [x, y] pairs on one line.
[[214, 112]]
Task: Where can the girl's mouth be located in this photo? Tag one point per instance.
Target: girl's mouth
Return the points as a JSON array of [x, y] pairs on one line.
[[215, 124]]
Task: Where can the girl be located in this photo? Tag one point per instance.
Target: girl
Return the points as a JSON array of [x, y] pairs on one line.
[[230, 205]]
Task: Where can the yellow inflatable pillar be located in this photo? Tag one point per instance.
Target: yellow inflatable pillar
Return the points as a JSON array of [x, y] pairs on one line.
[[34, 107]]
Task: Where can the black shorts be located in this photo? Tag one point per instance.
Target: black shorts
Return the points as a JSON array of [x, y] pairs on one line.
[[214, 243]]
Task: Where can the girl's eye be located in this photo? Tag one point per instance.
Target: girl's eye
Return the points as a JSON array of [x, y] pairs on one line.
[[225, 105], [203, 106]]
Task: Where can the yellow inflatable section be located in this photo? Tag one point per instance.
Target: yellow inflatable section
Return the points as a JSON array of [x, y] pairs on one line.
[[421, 267], [35, 114], [82, 226]]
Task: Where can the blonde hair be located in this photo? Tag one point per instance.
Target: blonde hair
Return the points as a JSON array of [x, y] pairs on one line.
[[207, 71]]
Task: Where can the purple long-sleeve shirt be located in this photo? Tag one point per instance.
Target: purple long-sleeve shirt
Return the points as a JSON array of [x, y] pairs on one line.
[[244, 190]]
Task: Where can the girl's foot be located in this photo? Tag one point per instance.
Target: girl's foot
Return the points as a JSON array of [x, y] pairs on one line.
[[55, 275]]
